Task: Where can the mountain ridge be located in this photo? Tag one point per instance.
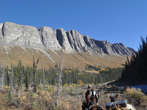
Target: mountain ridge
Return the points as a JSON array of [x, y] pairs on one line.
[[58, 39]]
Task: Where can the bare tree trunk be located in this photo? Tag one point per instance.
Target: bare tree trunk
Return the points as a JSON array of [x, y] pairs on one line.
[[11, 81], [2, 76], [3, 80], [59, 90], [43, 79]]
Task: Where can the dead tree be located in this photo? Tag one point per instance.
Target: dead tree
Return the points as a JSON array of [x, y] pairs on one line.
[[11, 80], [43, 79], [35, 63], [2, 76], [59, 87]]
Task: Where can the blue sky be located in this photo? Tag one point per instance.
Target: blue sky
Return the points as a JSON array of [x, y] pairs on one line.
[[113, 20]]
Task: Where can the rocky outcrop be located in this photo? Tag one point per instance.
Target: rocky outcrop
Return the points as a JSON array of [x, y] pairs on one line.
[[1, 32], [49, 39], [14, 34], [76, 41], [68, 41], [120, 49], [63, 40]]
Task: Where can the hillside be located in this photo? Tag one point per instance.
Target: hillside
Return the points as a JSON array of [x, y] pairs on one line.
[[12, 55]]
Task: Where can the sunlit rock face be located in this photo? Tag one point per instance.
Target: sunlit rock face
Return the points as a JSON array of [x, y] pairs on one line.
[[63, 40], [49, 38], [14, 34], [67, 41]]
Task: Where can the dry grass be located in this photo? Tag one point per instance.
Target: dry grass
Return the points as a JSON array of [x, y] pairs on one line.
[[71, 98], [132, 92], [70, 60], [41, 100], [136, 97]]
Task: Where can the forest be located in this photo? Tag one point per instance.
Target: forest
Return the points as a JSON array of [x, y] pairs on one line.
[[18, 75]]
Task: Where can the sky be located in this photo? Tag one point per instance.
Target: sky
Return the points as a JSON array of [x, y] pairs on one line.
[[112, 20]]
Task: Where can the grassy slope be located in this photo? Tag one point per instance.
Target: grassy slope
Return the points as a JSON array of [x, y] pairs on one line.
[[13, 55]]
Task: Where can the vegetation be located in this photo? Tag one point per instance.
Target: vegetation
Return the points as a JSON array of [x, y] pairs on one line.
[[136, 97], [43, 99], [31, 88], [135, 70], [91, 67], [19, 75]]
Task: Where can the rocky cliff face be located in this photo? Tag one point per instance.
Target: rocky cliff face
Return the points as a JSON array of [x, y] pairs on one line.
[[68, 41]]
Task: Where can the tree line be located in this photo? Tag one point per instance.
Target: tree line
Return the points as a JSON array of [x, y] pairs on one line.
[[19, 75]]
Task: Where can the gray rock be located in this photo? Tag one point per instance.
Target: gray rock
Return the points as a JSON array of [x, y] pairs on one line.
[[46, 37], [49, 38], [21, 35], [1, 34], [120, 49], [76, 41], [106, 47], [63, 40], [92, 46]]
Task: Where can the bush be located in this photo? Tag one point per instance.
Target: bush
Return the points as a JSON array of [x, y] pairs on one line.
[[135, 96], [91, 67], [134, 93]]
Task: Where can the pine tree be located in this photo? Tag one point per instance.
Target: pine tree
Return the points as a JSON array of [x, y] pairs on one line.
[[26, 79], [135, 70], [7, 76]]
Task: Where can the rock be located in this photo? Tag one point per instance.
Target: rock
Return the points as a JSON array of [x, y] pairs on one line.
[[1, 32], [105, 47], [120, 49], [92, 46], [11, 32], [76, 41], [68, 41], [114, 49], [63, 40], [15, 34], [49, 38]]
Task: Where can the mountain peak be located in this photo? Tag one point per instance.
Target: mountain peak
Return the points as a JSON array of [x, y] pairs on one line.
[[59, 39]]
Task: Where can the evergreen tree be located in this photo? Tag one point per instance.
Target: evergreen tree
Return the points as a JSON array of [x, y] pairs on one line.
[[135, 70]]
